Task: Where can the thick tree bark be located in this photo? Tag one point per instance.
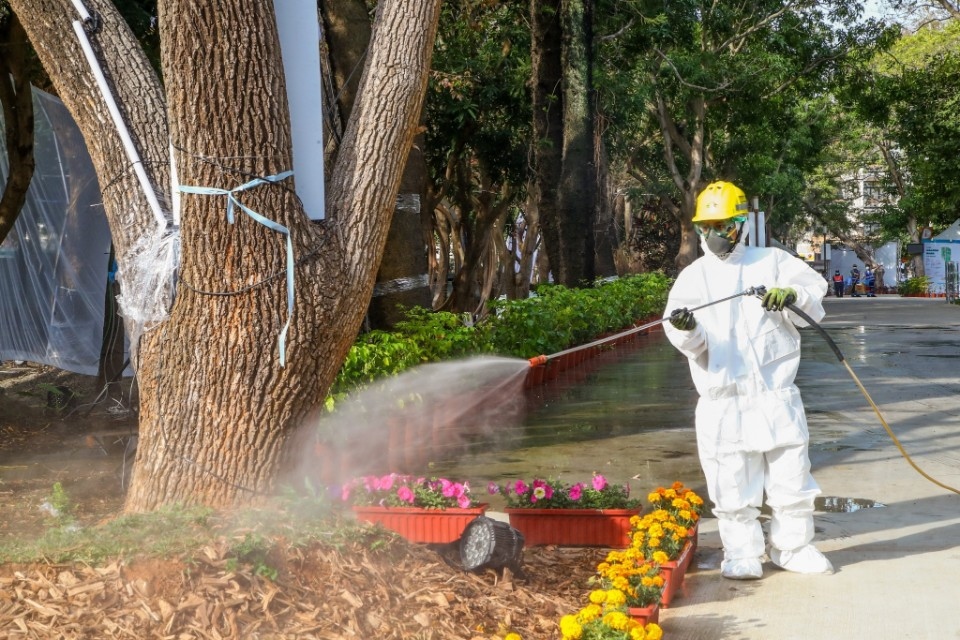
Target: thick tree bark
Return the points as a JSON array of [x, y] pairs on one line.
[[217, 411], [17, 100]]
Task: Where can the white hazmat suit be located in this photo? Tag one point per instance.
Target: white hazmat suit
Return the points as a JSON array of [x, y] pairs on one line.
[[751, 427]]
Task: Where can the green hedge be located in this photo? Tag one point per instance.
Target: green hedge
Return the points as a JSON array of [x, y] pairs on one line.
[[556, 318], [914, 286]]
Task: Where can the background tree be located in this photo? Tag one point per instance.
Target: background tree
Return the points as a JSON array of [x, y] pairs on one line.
[[910, 95], [477, 137], [568, 168], [217, 410], [692, 79]]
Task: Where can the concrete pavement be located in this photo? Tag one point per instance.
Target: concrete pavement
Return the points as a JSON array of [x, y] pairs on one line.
[[898, 565]]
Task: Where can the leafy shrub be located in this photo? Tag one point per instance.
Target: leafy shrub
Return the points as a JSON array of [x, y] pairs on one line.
[[913, 286], [556, 318]]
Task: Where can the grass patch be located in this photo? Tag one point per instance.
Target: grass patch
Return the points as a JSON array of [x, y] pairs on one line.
[[178, 531]]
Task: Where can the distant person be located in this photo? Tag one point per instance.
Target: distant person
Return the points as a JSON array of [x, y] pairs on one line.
[[837, 284], [752, 435], [879, 278], [871, 283], [854, 281]]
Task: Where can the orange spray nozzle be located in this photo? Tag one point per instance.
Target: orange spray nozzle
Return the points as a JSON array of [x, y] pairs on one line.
[[536, 361]]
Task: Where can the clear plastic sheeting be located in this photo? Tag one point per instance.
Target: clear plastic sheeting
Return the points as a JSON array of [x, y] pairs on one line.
[[148, 285], [54, 263]]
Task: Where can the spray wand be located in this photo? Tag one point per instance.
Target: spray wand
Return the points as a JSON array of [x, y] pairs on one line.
[[760, 291], [542, 359]]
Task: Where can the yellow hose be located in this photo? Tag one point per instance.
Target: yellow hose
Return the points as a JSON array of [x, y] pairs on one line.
[[843, 360], [890, 433]]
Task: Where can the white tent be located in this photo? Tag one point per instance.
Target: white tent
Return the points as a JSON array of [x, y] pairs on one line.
[[54, 263], [950, 234]]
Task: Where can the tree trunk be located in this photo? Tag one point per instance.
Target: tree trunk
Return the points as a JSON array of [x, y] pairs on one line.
[[547, 73], [403, 280], [217, 411], [578, 177], [605, 225], [347, 32]]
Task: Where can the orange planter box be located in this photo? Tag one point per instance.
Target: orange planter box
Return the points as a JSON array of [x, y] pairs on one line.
[[438, 526], [573, 527], [645, 615], [673, 573]]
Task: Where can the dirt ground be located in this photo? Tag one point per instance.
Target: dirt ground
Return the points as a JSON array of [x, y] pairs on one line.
[[320, 591], [48, 436]]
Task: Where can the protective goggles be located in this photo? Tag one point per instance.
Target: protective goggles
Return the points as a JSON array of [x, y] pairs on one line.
[[726, 228]]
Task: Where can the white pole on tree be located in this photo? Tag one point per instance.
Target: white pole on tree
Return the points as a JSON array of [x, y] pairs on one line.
[[128, 146]]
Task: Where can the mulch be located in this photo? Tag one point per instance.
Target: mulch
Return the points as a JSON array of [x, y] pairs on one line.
[[343, 591]]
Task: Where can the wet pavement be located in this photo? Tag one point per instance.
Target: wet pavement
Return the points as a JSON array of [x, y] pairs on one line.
[[893, 536]]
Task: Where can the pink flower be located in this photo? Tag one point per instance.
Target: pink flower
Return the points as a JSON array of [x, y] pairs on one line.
[[541, 490], [447, 488], [599, 482], [345, 492], [493, 488], [576, 491], [386, 482], [463, 501], [406, 494], [457, 490], [521, 487]]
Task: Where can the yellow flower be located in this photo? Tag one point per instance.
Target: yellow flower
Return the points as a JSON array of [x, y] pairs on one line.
[[660, 557], [654, 497], [512, 636], [588, 613], [570, 628], [654, 632], [617, 620], [653, 543], [637, 633], [598, 596], [616, 598]]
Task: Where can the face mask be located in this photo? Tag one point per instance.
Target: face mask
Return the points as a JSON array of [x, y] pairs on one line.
[[721, 236], [719, 245]]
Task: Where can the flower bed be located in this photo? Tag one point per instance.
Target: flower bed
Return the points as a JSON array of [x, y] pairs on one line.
[[548, 511], [635, 582], [434, 510]]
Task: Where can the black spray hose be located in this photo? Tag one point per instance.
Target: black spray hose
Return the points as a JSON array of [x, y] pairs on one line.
[[760, 291]]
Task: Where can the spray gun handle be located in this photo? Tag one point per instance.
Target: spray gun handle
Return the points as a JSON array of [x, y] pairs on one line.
[[758, 291]]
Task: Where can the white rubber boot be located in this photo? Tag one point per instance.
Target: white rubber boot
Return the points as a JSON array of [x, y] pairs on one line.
[[806, 559], [742, 569]]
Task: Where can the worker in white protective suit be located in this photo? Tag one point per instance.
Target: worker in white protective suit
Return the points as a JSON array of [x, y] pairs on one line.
[[751, 428]]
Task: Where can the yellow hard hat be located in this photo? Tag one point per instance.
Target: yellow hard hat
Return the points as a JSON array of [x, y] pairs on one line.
[[720, 201]]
